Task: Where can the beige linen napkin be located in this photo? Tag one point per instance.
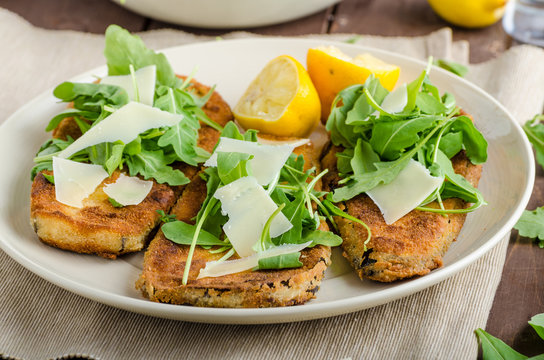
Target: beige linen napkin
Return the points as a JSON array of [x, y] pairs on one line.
[[39, 320]]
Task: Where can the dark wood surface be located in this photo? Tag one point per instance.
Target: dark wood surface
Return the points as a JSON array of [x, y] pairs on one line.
[[521, 291]]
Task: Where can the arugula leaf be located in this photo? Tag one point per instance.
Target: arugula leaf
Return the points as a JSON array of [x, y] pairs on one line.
[[153, 164], [451, 143], [116, 157], [362, 109], [49, 178], [294, 211], [496, 349], [534, 130], [537, 322], [318, 237], [363, 158], [265, 242], [165, 218], [182, 233], [232, 166], [389, 138], [91, 97], [385, 172], [342, 133], [55, 121], [413, 90], [123, 49], [284, 261], [343, 163], [114, 203], [452, 66], [231, 131], [44, 157], [473, 140], [428, 104], [531, 225], [353, 39], [457, 185], [183, 138], [449, 102]]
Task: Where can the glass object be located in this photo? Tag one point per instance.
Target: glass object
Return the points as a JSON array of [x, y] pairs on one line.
[[524, 21]]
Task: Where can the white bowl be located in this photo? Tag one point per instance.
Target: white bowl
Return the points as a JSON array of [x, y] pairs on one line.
[[226, 13]]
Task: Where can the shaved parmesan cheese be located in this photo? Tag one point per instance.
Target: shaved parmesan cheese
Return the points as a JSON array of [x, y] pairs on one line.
[[125, 124], [128, 190], [249, 207], [145, 82], [295, 142], [396, 100], [220, 268], [411, 186], [267, 159], [75, 181]]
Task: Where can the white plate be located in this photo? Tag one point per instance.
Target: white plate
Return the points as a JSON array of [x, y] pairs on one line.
[[226, 13], [506, 183]]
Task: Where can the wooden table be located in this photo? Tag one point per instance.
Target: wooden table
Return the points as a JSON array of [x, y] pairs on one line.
[[521, 291]]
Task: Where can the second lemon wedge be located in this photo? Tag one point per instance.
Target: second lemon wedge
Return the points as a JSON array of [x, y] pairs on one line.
[[332, 71], [280, 101]]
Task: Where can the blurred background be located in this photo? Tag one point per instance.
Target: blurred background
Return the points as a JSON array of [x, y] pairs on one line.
[[383, 17]]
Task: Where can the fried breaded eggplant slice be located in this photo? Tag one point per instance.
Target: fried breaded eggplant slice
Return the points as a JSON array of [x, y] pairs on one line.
[[164, 263], [413, 245], [99, 228]]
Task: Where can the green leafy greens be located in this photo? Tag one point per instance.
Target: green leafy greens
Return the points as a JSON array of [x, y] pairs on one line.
[[531, 225], [534, 129], [153, 153], [378, 144], [495, 349], [293, 192], [452, 66]]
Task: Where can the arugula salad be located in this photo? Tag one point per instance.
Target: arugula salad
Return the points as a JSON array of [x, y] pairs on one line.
[[381, 132], [292, 191], [153, 151]]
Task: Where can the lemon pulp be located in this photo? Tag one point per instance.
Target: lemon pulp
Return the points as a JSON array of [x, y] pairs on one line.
[[280, 101]]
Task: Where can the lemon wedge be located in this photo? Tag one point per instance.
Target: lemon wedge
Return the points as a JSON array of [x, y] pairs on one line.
[[280, 101], [332, 71], [469, 13]]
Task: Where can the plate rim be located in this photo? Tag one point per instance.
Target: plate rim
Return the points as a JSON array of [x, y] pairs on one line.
[[279, 314]]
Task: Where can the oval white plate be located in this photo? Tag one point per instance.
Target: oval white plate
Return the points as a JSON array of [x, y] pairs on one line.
[[226, 14], [506, 183]]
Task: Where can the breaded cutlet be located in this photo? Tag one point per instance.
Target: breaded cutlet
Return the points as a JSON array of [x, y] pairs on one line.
[[164, 264], [413, 245], [100, 228]]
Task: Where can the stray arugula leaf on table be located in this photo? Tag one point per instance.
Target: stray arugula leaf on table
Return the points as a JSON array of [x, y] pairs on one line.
[[495, 349], [531, 225], [534, 129], [531, 222]]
